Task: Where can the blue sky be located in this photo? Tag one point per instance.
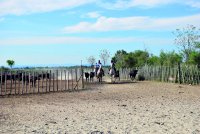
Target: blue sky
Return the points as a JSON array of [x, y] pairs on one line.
[[64, 32]]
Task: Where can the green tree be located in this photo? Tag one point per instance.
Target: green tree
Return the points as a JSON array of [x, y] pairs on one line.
[[119, 59], [10, 63], [130, 60], [153, 60], [194, 58], [141, 57], [187, 39], [170, 58]]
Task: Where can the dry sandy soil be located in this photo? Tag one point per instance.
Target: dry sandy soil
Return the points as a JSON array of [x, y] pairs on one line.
[[126, 108]]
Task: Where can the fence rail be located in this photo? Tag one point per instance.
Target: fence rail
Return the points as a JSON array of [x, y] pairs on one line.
[[40, 81]]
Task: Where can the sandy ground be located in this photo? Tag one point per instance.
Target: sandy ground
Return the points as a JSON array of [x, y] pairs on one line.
[[126, 108]]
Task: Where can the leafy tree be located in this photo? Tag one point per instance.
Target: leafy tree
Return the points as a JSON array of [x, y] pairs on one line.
[[186, 39], [194, 58], [91, 60], [170, 58], [119, 58], [153, 60], [10, 63], [130, 60], [141, 57], [104, 56]]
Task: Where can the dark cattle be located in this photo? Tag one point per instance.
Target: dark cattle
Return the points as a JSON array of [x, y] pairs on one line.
[[32, 79], [132, 74], [2, 79], [117, 74], [7, 76], [87, 76], [92, 74], [44, 76]]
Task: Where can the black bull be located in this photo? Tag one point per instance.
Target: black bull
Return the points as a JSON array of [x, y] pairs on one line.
[[133, 74]]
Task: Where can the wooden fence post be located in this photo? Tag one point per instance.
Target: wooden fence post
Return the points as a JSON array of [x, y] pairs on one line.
[[83, 86], [11, 78], [49, 80], [1, 83], [68, 79], [53, 81], [57, 80], [65, 79], [61, 79], [46, 81], [5, 83], [179, 72], [23, 79]]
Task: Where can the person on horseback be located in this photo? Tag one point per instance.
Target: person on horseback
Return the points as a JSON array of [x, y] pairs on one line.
[[96, 69], [112, 67], [99, 67]]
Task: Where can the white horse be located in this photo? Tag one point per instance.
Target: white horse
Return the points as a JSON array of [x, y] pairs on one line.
[[113, 74]]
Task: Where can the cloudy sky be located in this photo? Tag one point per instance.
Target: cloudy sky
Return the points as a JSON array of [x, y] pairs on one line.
[[64, 32]]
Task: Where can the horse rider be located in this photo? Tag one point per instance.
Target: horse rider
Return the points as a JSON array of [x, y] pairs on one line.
[[112, 66], [96, 69], [99, 67]]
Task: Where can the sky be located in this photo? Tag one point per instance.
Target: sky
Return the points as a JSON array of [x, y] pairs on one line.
[[66, 32]]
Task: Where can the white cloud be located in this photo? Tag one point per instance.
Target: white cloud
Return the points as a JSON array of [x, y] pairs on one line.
[[194, 3], [61, 40], [133, 23], [93, 14], [20, 7], [123, 4], [80, 40]]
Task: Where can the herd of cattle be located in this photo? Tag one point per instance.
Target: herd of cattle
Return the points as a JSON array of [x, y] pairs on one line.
[[26, 78], [89, 76]]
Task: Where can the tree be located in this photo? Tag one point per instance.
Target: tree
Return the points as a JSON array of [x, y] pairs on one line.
[[130, 60], [104, 56], [186, 39], [153, 60], [141, 57], [91, 60], [169, 58], [119, 59], [194, 58], [10, 63]]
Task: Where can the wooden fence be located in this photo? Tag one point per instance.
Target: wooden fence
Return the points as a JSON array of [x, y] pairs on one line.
[[40, 81], [43, 81], [178, 74]]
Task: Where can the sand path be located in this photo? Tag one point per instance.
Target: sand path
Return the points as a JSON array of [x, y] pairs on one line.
[[141, 107]]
